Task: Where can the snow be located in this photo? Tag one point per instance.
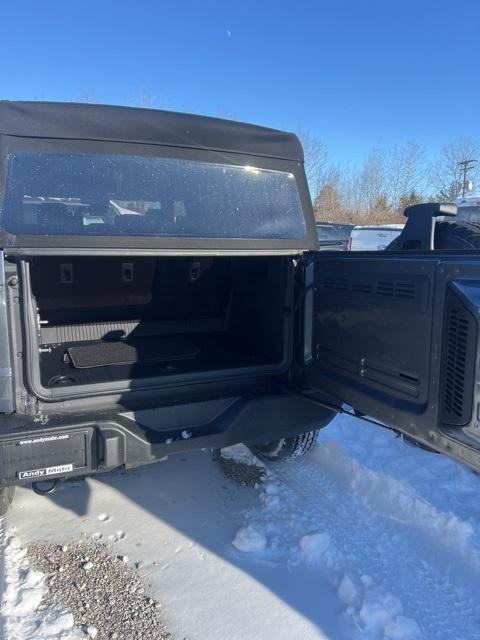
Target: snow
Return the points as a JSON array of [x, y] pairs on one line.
[[239, 453], [92, 632], [103, 517], [367, 538], [348, 592], [379, 609], [314, 546], [402, 629], [21, 610], [248, 539]]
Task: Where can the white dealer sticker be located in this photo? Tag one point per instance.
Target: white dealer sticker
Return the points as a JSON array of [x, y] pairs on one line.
[[43, 439], [48, 471]]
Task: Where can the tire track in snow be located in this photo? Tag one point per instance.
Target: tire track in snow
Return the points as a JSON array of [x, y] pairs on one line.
[[396, 500], [305, 497]]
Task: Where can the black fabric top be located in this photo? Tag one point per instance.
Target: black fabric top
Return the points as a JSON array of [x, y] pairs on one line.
[[73, 121]]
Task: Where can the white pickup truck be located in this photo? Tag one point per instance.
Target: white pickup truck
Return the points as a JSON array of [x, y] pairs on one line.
[[373, 237]]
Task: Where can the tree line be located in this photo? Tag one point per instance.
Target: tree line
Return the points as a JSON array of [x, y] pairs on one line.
[[388, 180]]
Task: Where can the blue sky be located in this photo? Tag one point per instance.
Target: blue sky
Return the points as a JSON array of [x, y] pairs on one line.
[[353, 72]]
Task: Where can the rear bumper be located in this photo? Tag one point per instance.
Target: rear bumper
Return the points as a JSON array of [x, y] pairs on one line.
[[72, 446]]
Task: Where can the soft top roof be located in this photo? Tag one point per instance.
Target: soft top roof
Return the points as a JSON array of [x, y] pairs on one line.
[[66, 120]]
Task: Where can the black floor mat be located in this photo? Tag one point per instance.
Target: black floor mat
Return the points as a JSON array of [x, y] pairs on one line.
[[101, 354]]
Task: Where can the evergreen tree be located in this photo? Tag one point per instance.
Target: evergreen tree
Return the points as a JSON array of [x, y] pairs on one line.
[[450, 192], [328, 203], [409, 199]]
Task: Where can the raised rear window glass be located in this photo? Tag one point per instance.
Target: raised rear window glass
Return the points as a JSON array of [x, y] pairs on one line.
[[124, 195], [325, 232], [469, 214]]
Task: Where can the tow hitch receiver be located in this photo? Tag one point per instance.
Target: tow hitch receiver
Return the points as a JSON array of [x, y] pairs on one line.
[[46, 488]]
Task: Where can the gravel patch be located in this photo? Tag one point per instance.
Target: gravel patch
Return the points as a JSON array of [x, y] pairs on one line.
[[104, 594], [243, 473]]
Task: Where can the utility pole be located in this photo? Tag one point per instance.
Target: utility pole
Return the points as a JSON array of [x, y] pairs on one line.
[[465, 165]]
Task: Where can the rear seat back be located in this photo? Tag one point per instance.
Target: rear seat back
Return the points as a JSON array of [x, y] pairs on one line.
[[86, 289]]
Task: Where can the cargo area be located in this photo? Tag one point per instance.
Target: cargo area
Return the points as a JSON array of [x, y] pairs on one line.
[[114, 319]]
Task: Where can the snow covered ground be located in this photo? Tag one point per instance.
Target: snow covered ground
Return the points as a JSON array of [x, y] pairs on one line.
[[367, 538]]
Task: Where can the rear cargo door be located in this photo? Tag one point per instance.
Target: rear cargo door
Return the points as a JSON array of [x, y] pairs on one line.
[[395, 336]]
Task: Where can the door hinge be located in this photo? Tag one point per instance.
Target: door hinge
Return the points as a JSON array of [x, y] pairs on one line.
[[31, 408], [298, 303], [42, 418]]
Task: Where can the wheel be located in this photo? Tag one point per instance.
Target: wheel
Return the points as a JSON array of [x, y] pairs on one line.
[[450, 235], [286, 447], [6, 497]]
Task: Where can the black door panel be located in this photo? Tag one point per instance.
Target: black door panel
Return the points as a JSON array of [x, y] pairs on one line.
[[371, 333], [396, 337]]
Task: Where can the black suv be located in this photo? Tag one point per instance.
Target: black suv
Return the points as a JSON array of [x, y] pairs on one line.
[[161, 291]]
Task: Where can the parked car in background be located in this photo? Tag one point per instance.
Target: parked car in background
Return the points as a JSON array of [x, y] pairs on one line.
[[332, 236], [468, 207], [373, 237], [345, 230]]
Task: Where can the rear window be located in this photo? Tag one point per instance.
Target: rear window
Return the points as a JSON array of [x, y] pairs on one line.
[[327, 233], [117, 195], [470, 214]]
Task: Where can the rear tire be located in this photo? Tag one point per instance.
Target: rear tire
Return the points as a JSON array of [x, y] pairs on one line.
[[459, 235], [286, 448], [6, 497]]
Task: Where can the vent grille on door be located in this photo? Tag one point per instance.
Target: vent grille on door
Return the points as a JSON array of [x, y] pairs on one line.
[[459, 352], [396, 289], [455, 363], [386, 288], [340, 284]]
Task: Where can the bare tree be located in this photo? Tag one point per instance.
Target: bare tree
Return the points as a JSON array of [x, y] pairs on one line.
[[376, 191], [88, 95], [145, 98], [372, 181], [406, 171], [351, 194], [316, 160], [446, 173], [364, 192]]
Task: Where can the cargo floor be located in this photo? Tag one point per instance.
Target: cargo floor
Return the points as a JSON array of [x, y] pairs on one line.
[[70, 364]]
